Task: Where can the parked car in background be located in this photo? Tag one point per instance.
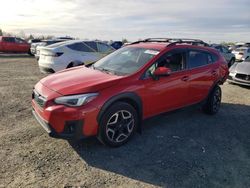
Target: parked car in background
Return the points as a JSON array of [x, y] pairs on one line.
[[66, 38], [240, 73], [34, 41], [14, 45], [72, 53], [238, 45], [227, 54], [116, 44], [110, 99], [34, 49], [241, 53]]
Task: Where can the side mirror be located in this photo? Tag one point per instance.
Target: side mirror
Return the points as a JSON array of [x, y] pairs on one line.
[[162, 71]]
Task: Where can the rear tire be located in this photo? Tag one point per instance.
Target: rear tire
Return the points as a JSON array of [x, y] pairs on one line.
[[213, 101], [118, 124]]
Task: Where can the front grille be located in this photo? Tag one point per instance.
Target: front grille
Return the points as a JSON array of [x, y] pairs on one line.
[[243, 77], [40, 100]]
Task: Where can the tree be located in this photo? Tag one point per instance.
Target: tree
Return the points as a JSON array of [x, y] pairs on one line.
[[1, 32], [124, 41], [31, 37]]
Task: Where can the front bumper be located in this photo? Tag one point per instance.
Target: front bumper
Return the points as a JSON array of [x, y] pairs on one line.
[[234, 80], [72, 129]]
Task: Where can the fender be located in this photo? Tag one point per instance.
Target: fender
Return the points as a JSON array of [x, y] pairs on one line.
[[129, 97]]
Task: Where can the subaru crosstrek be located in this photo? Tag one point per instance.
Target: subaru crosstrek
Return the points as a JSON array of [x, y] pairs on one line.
[[111, 98]]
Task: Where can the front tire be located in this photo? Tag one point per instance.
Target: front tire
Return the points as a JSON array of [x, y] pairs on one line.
[[213, 101], [118, 124]]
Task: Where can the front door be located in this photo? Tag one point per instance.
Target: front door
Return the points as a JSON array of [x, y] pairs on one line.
[[167, 92]]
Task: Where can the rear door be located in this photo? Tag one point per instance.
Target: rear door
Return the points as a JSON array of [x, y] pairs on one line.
[[203, 73], [169, 92]]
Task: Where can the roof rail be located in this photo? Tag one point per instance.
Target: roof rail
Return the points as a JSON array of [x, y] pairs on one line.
[[196, 42], [174, 41]]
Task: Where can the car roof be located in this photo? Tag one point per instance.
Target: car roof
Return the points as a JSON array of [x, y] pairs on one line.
[[162, 43], [161, 46], [69, 42], [150, 45]]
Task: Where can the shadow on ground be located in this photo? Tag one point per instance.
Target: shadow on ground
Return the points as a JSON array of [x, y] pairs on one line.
[[185, 148]]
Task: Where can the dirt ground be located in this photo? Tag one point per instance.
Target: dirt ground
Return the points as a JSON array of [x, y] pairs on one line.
[[185, 148]]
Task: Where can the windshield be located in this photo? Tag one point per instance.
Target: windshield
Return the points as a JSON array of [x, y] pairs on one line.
[[126, 60]]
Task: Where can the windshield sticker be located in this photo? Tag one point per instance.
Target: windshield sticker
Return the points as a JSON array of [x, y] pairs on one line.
[[152, 52]]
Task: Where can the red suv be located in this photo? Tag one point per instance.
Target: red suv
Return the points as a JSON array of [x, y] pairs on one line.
[[13, 44], [111, 98]]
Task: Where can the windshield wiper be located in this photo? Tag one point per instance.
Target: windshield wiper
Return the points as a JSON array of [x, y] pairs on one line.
[[104, 70]]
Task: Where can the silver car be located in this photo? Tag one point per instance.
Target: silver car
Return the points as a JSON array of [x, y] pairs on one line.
[[239, 73]]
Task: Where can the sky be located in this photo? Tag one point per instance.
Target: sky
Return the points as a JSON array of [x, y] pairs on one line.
[[209, 20]]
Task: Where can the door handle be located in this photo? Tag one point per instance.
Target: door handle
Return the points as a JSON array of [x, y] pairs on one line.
[[185, 78]]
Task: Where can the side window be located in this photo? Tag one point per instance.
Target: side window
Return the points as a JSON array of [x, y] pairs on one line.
[[172, 60], [104, 47], [9, 39], [79, 47], [224, 50], [198, 59], [211, 59], [92, 45], [18, 40]]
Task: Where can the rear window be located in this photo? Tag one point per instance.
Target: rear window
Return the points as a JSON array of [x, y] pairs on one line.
[[79, 47]]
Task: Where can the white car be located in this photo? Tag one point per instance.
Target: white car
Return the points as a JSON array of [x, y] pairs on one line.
[[72, 53], [241, 53]]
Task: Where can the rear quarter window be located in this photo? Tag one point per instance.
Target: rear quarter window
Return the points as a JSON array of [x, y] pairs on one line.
[[92, 45], [104, 47], [79, 47]]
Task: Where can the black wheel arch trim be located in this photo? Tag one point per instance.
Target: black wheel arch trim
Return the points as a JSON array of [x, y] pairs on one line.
[[216, 83], [124, 97]]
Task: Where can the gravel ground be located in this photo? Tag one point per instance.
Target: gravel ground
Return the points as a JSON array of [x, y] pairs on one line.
[[185, 148]]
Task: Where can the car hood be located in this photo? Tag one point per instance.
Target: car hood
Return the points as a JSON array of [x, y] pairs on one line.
[[79, 80], [243, 68]]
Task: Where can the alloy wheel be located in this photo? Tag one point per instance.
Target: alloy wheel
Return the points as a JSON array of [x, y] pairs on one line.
[[120, 126]]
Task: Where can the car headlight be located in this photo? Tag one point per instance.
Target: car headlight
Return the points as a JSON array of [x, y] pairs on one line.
[[76, 100], [233, 74]]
